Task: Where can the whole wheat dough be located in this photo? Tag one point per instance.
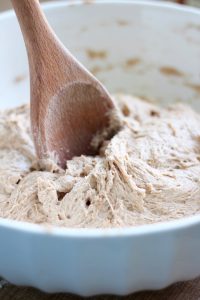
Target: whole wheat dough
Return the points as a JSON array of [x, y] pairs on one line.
[[149, 172]]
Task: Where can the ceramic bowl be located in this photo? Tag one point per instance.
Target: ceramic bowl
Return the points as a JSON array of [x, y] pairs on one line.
[[148, 49]]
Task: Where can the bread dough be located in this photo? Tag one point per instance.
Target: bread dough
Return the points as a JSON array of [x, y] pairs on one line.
[[149, 172]]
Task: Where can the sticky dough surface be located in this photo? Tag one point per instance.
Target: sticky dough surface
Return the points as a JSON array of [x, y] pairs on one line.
[[149, 172]]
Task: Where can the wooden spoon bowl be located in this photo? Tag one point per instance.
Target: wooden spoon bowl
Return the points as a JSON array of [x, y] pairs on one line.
[[69, 106]]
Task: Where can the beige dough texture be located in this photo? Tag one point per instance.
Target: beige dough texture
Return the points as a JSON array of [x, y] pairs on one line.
[[149, 172]]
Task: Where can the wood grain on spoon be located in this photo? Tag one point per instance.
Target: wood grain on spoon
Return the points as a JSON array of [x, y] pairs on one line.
[[68, 105]]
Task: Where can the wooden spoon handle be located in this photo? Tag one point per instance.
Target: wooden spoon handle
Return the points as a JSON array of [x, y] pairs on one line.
[[38, 35]]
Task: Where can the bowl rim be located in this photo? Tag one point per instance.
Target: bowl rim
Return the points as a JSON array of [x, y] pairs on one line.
[[121, 232], [151, 3], [141, 230]]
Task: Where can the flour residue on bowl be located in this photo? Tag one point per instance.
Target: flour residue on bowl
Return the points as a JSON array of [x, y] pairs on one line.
[[94, 54], [171, 71]]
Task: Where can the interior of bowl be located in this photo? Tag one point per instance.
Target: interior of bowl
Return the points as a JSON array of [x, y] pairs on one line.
[[142, 48], [147, 49]]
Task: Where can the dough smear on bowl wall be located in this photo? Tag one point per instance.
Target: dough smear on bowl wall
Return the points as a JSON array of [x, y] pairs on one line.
[[148, 172]]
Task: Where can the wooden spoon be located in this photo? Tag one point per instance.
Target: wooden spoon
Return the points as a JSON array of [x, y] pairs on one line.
[[68, 104]]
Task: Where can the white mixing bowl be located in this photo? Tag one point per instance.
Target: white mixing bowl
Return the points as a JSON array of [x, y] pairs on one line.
[[148, 49]]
